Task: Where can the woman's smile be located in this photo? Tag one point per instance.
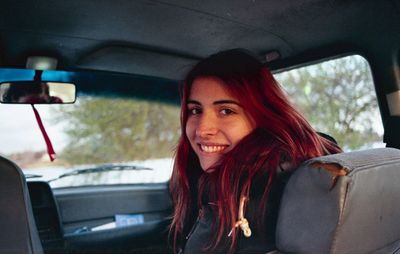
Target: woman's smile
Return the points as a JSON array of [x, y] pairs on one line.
[[212, 148]]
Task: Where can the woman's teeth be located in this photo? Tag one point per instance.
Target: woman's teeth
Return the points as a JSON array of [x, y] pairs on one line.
[[212, 149]]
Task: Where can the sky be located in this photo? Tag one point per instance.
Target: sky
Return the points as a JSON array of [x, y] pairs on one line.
[[20, 132]]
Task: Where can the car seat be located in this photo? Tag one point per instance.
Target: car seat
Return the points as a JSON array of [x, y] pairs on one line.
[[342, 203], [392, 134], [17, 224]]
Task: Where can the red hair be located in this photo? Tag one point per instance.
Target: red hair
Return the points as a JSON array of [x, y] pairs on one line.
[[281, 134]]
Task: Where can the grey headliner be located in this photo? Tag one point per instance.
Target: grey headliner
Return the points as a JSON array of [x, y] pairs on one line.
[[162, 38]]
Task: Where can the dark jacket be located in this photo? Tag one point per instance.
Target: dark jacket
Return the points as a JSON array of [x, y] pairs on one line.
[[262, 239]]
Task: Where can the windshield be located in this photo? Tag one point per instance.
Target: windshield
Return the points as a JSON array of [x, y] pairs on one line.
[[92, 138], [98, 136]]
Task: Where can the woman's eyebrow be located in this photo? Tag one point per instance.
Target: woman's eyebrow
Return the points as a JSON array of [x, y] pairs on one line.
[[218, 102], [226, 102], [193, 102]]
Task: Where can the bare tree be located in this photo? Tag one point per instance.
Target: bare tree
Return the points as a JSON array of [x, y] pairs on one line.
[[338, 98]]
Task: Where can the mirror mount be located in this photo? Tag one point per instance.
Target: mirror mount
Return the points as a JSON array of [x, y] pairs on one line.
[[38, 75]]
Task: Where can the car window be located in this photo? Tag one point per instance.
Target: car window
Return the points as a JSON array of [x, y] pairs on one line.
[[339, 99], [98, 140]]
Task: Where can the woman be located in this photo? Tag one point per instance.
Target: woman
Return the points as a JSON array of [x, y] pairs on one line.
[[240, 140]]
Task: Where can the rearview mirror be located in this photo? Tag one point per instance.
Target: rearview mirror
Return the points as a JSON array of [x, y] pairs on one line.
[[37, 92]]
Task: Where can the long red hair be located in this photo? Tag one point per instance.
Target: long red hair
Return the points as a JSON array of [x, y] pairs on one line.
[[281, 134]]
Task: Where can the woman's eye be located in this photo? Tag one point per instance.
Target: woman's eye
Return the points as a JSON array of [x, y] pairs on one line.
[[227, 111], [194, 111]]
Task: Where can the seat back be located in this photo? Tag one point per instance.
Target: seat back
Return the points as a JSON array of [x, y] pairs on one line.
[[342, 203], [18, 233], [392, 134]]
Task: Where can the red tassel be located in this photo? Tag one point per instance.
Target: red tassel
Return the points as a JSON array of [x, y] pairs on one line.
[[50, 149]]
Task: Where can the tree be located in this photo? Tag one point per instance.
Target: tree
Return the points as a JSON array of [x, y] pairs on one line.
[[102, 130], [338, 98]]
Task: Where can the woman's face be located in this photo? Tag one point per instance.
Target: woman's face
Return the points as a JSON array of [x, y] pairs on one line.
[[216, 121]]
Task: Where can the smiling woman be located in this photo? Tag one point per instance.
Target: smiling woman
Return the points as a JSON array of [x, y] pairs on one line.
[[241, 140]]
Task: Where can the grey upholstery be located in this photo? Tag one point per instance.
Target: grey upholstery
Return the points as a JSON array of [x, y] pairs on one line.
[[18, 233], [360, 214], [392, 133]]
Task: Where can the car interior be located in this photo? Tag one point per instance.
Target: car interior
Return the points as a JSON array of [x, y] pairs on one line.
[[124, 62]]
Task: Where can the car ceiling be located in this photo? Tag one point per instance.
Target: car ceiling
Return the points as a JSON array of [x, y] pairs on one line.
[[164, 38]]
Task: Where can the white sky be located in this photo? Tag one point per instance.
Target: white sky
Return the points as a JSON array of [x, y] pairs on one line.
[[19, 130]]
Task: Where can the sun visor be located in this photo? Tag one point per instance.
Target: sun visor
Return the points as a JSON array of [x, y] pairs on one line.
[[143, 62]]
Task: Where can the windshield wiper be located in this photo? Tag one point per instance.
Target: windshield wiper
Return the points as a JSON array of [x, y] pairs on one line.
[[28, 176], [100, 168]]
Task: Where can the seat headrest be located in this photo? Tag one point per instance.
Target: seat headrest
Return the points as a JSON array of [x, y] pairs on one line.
[[342, 203], [392, 135]]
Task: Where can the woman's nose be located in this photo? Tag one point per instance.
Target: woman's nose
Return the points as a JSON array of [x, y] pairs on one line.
[[207, 125]]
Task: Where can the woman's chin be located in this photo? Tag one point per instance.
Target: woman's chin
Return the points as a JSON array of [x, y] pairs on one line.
[[208, 165]]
